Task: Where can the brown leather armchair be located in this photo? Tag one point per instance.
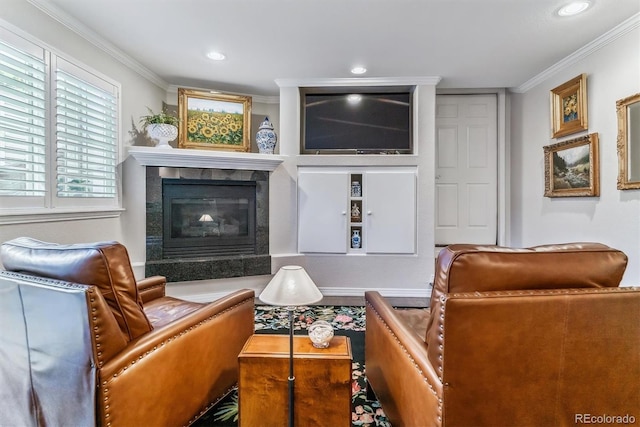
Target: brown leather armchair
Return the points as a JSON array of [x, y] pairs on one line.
[[513, 337], [82, 344]]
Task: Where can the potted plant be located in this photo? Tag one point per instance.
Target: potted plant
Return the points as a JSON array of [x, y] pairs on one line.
[[161, 126]]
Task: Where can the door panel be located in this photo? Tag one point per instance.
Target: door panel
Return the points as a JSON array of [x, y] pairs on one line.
[[322, 211], [466, 169], [390, 214], [446, 206]]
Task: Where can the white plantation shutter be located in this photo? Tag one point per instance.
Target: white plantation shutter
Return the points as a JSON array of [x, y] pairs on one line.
[[59, 135], [86, 135], [22, 120]]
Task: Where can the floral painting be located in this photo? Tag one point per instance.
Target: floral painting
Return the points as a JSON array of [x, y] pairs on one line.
[[569, 107], [214, 121]]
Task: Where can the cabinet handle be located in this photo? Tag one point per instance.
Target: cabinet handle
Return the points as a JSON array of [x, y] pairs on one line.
[[344, 212], [369, 212]]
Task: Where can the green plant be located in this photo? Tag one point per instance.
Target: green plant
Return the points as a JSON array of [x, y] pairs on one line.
[[228, 410], [156, 118]]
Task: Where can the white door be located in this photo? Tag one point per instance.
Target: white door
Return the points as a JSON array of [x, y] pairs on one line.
[[322, 211], [466, 186], [390, 212]]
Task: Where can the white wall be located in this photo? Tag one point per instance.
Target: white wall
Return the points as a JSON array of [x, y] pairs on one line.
[[613, 218], [137, 93], [613, 72]]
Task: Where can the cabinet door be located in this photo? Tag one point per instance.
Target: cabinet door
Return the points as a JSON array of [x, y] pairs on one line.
[[322, 211], [390, 217]]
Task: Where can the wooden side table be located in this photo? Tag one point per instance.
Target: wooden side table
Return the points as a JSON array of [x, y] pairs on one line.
[[322, 393]]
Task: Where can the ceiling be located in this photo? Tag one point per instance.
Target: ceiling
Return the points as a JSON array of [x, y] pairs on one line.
[[468, 43]]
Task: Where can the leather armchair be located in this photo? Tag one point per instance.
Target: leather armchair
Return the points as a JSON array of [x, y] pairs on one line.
[[81, 343], [512, 337]]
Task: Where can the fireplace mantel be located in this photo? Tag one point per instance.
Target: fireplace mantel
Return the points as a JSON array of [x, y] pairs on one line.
[[210, 159]]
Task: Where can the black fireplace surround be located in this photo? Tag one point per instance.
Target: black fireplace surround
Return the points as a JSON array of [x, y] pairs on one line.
[[207, 224]]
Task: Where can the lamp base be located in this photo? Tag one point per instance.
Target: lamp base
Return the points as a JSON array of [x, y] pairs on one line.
[[292, 378]]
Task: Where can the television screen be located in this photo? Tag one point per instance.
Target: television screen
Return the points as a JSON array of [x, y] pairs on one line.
[[359, 121]]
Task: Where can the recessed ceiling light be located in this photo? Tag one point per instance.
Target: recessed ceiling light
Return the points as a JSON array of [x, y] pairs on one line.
[[358, 70], [574, 8], [216, 56]]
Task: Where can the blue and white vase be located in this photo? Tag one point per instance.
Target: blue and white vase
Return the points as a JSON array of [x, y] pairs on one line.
[[356, 189], [355, 239], [266, 137]]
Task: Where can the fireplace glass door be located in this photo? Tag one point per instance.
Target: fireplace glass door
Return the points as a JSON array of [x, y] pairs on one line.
[[208, 218]]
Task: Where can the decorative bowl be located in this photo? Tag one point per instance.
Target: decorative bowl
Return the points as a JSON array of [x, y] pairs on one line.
[[320, 333]]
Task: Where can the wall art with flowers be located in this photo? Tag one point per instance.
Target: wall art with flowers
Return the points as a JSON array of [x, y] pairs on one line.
[[214, 120], [569, 107]]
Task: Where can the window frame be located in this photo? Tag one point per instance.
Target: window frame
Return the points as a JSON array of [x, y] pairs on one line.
[[50, 207]]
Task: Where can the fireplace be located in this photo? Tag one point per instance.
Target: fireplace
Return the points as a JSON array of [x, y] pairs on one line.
[[208, 218], [207, 223]]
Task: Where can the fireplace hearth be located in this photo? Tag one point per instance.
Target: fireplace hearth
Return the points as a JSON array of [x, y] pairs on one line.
[[207, 223]]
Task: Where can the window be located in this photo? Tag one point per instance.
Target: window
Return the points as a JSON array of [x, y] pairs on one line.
[[59, 127]]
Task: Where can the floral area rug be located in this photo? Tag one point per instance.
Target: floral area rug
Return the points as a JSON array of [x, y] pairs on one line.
[[346, 320]]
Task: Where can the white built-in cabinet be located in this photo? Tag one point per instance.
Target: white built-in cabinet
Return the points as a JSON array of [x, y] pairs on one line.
[[383, 213]]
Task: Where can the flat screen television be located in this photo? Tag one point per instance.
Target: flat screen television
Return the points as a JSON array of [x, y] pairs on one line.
[[364, 120]]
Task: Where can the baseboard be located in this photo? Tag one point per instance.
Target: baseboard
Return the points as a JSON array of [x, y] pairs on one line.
[[326, 291], [386, 292]]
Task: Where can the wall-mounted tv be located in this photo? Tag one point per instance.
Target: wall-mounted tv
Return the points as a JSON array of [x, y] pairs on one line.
[[357, 120]]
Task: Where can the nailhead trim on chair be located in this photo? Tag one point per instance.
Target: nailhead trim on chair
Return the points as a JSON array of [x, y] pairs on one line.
[[105, 383], [563, 291], [413, 362]]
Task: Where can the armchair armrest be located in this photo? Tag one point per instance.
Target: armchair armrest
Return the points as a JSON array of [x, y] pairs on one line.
[[151, 288], [398, 368], [193, 356]]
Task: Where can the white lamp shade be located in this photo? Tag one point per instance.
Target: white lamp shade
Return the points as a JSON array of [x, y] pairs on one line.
[[291, 286]]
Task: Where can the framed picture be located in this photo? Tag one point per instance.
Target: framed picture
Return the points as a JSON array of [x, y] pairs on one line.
[[571, 168], [214, 121], [569, 107]]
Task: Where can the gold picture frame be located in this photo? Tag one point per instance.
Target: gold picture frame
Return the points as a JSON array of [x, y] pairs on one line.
[[572, 168], [628, 112], [569, 107], [214, 121]]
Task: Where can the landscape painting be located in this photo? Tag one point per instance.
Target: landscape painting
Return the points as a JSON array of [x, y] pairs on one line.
[[214, 121], [571, 168]]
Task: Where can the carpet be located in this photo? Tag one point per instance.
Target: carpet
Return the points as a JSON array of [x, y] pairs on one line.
[[346, 320]]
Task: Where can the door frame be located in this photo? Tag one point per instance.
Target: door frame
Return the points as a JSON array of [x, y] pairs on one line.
[[504, 170]]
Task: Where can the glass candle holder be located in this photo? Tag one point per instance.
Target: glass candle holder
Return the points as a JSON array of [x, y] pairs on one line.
[[320, 333]]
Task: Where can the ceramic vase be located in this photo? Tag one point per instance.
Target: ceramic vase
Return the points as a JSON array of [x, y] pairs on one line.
[[356, 189], [266, 137], [163, 132], [355, 239]]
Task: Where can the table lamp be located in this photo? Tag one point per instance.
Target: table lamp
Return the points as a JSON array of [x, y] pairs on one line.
[[291, 286]]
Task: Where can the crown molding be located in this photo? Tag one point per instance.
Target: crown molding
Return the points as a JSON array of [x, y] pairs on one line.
[[597, 44], [173, 90], [92, 37], [360, 81]]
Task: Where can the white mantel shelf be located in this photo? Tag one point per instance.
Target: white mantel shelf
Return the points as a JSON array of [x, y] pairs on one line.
[[206, 159]]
